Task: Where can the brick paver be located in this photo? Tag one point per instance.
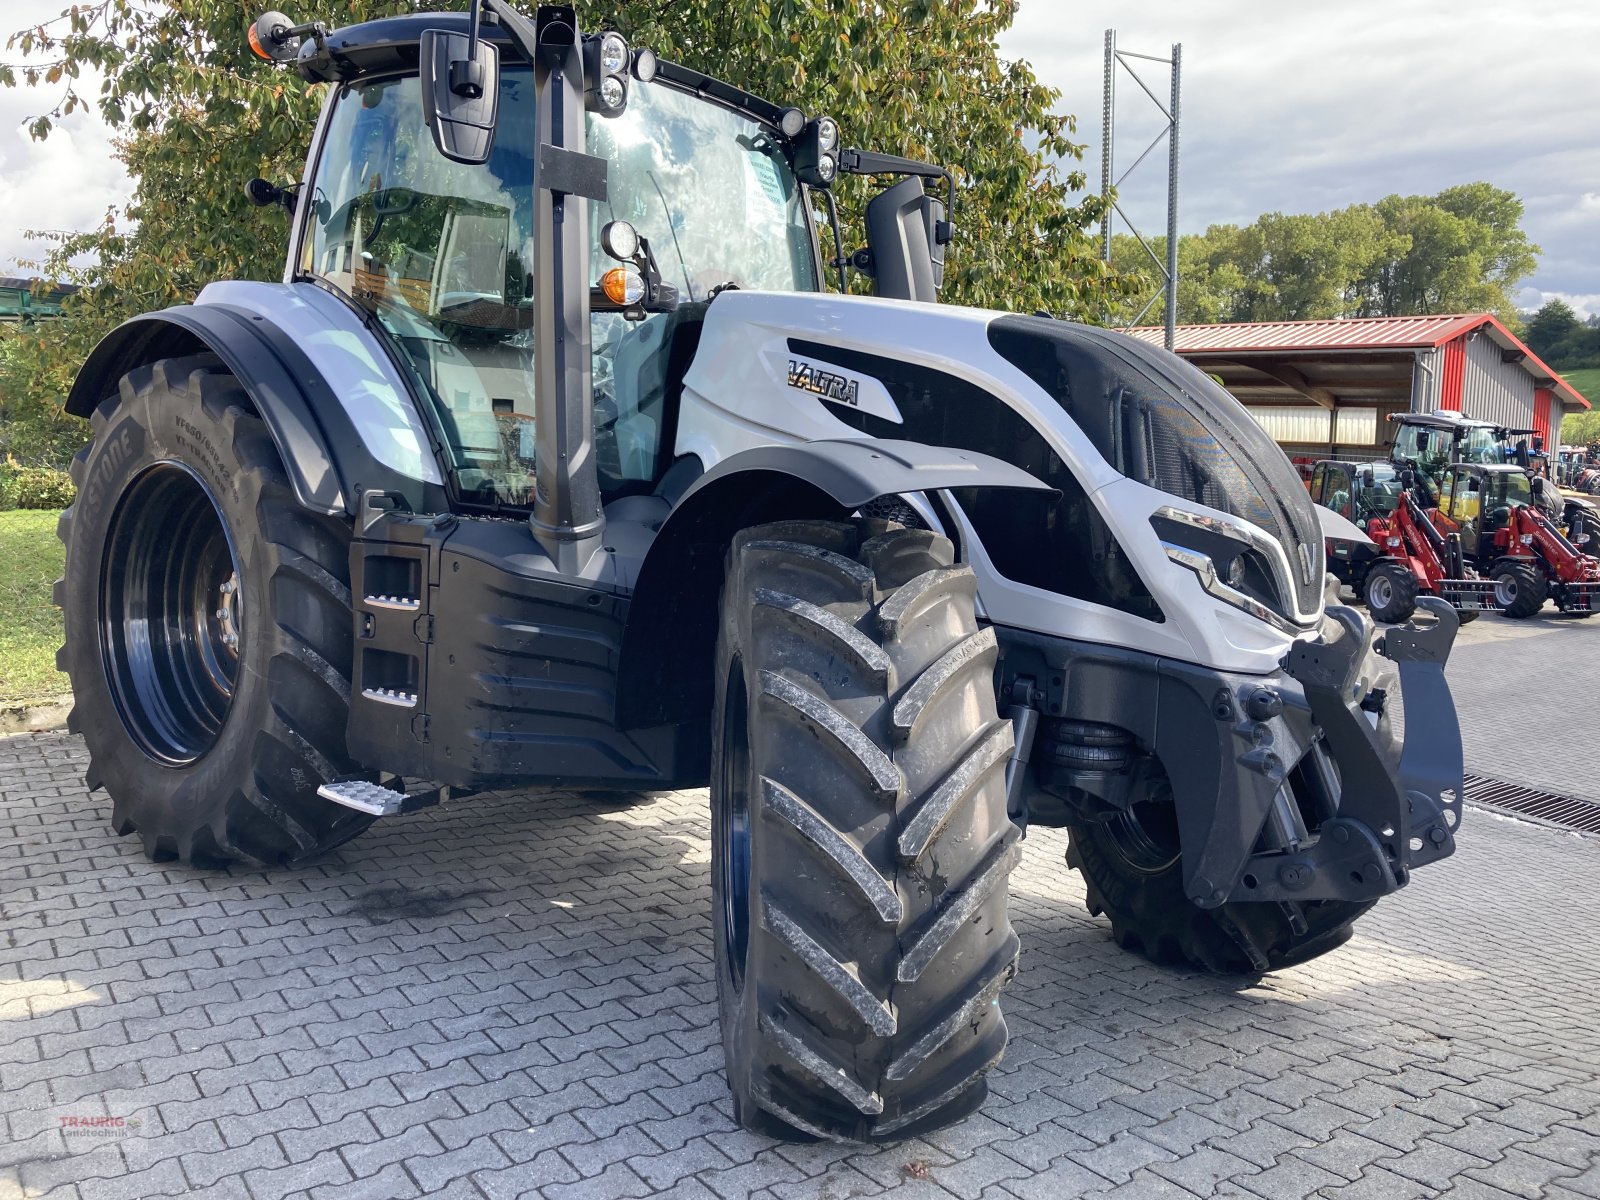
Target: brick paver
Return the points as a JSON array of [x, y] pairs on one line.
[[514, 995]]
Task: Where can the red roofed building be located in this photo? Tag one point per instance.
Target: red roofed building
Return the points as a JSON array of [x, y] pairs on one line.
[[1325, 388]]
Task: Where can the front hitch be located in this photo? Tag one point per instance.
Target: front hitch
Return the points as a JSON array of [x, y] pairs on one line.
[[1392, 816]]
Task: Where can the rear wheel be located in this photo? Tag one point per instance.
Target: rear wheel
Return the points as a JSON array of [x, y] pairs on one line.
[[860, 843], [1133, 874], [1390, 591], [1520, 588], [208, 627]]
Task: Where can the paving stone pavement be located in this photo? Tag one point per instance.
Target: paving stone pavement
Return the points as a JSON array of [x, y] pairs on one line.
[[513, 995], [1514, 681]]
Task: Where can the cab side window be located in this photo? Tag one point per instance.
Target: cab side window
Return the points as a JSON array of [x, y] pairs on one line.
[[440, 254]]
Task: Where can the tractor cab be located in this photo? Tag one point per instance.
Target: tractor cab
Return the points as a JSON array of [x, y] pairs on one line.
[[1429, 443], [1476, 500], [1357, 491]]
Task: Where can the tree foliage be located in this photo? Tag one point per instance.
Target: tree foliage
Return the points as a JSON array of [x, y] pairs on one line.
[[1556, 335], [1462, 250], [199, 115]]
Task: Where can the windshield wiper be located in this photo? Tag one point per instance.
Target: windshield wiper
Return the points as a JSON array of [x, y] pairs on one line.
[[666, 211]]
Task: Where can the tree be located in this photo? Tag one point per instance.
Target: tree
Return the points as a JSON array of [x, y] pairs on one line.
[[1460, 251], [1580, 429], [1545, 330], [201, 115], [1556, 335]]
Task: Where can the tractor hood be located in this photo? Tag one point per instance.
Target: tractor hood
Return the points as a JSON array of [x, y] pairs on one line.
[[1129, 433]]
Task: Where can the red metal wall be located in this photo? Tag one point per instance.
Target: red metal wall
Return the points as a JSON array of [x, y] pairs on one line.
[[1455, 370], [1542, 398]]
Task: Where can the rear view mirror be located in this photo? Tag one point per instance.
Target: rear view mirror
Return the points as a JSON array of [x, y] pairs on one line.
[[460, 94], [907, 254], [1368, 479]]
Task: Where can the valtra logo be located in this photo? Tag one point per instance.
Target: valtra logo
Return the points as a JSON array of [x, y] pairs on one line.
[[808, 377]]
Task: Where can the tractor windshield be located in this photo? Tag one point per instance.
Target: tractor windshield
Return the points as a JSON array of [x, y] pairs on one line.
[[441, 254], [1481, 446]]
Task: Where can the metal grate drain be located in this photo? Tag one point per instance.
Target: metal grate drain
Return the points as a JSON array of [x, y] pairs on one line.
[[1565, 811]]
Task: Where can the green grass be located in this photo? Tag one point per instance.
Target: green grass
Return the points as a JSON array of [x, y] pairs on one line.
[[30, 625], [1586, 381]]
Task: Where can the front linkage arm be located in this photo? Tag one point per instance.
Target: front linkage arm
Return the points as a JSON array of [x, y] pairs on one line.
[[1392, 817]]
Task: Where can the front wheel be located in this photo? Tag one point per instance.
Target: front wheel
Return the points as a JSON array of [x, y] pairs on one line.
[[860, 843], [1520, 588], [208, 627], [1133, 874], [1390, 591]]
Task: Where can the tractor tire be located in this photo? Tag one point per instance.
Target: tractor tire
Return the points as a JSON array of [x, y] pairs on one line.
[[1520, 589], [1133, 875], [1390, 591], [208, 627], [860, 843]]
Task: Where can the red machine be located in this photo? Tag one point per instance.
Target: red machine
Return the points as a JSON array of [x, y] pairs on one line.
[[1513, 544], [1409, 556]]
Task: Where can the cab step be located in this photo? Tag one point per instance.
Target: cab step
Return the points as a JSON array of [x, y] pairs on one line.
[[377, 800]]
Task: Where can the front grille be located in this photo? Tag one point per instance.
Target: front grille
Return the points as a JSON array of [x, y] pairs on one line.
[[1569, 812]]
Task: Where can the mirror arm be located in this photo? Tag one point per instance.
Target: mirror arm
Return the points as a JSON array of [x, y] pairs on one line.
[[839, 259], [866, 162]]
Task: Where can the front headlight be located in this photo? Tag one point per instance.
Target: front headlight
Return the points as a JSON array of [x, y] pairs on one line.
[[1241, 567]]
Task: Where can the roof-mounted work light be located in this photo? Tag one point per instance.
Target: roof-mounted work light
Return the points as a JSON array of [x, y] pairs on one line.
[[816, 152], [606, 59]]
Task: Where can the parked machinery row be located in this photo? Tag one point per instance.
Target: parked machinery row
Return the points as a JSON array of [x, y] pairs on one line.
[[1459, 513]]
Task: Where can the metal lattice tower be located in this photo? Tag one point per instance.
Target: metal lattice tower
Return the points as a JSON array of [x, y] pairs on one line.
[[1169, 269]]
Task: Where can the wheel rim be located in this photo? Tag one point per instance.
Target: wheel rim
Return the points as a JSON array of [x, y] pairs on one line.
[[1146, 834], [733, 803], [1505, 589], [1379, 592], [172, 620]]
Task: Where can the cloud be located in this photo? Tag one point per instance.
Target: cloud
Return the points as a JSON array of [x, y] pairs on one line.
[[1298, 108], [1530, 298], [64, 183]]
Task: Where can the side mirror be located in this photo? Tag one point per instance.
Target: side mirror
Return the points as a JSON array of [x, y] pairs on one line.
[[460, 94], [1368, 479], [904, 227], [1474, 485]]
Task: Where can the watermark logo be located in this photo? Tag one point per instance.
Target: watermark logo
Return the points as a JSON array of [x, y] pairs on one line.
[[97, 1125]]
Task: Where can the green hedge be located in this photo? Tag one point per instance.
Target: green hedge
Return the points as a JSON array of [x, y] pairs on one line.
[[34, 487]]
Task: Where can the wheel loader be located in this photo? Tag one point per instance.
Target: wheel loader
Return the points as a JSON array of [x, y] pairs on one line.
[[1402, 555], [554, 460], [1508, 538], [1428, 443]]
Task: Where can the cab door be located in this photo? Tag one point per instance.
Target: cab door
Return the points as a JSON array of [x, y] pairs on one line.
[[1330, 487]]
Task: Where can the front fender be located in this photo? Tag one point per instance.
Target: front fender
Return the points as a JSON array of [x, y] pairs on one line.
[[671, 633], [854, 471]]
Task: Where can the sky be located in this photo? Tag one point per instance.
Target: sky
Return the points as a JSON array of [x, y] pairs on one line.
[[1287, 107]]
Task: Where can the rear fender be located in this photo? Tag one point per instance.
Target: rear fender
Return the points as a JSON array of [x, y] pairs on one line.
[[328, 461]]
